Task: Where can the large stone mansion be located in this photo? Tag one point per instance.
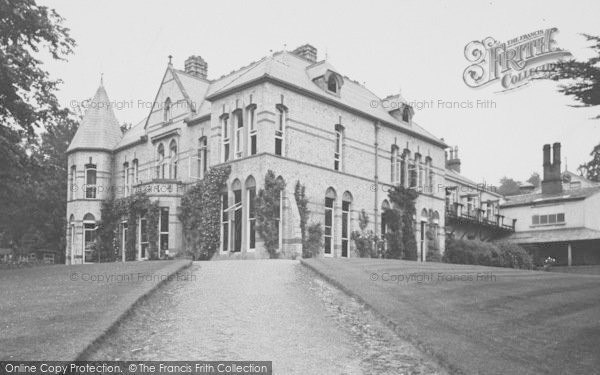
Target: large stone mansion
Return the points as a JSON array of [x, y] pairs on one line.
[[289, 113]]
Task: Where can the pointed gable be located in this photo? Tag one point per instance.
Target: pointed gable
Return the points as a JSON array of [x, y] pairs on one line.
[[99, 128]]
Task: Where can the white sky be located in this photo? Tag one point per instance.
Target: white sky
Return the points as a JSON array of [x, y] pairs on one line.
[[415, 46]]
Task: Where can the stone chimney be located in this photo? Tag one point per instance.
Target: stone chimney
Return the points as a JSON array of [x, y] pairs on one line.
[[452, 159], [552, 182], [307, 52], [196, 66]]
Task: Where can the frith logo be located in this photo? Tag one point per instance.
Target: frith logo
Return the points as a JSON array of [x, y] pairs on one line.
[[513, 63]]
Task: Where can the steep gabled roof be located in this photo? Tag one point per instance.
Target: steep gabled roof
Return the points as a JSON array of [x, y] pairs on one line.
[[99, 128]]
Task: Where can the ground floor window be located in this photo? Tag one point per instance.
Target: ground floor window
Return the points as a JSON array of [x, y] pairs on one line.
[[328, 235], [89, 238], [251, 218], [164, 231], [237, 220], [345, 228], [143, 238], [224, 222]]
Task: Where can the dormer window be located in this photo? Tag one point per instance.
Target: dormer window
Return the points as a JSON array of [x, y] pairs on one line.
[[406, 115], [332, 84]]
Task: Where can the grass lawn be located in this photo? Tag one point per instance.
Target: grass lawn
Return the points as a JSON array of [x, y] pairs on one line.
[[516, 322], [55, 312]]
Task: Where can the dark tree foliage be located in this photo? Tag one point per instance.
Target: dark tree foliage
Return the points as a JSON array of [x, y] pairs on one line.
[[400, 219], [508, 186], [26, 91], [583, 83], [267, 212], [302, 203]]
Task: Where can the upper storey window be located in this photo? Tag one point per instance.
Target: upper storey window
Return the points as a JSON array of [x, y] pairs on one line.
[[90, 181], [225, 137], [239, 133], [252, 131], [280, 129], [173, 159], [160, 161], [332, 84]]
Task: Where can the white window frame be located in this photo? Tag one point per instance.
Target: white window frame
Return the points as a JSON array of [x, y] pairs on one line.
[[250, 220], [337, 156], [93, 187], [252, 131], [347, 238], [238, 117], [225, 222], [136, 171], [332, 235], [280, 130], [225, 141]]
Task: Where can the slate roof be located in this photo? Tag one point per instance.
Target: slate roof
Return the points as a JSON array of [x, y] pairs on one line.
[[99, 128], [554, 235], [538, 198]]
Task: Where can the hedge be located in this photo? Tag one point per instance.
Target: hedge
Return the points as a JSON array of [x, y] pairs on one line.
[[497, 254]]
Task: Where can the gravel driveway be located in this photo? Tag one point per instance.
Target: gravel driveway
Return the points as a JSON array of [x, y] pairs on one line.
[[274, 310]]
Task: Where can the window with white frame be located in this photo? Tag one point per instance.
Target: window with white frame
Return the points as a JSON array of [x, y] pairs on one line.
[[395, 166], [225, 137], [338, 153], [173, 159], [403, 168], [412, 173], [163, 225], [135, 172], [160, 161], [144, 243], [252, 132], [280, 130], [238, 120], [90, 181], [549, 219], [202, 156], [224, 221], [89, 238], [430, 175], [251, 197], [329, 225], [419, 164]]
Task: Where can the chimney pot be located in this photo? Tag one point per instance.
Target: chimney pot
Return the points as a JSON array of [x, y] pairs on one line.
[[307, 52], [196, 66]]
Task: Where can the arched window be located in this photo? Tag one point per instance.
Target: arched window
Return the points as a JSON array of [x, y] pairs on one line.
[[239, 133], [173, 159], [332, 84], [419, 164], [406, 115], [236, 186], [430, 174], [224, 219], [167, 110], [251, 215], [423, 227], [403, 172], [90, 181], [279, 213], [385, 206], [330, 197], [72, 237], [89, 238], [160, 161], [346, 213], [202, 156]]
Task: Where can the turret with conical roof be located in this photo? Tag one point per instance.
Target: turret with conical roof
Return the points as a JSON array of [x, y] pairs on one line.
[[89, 158]]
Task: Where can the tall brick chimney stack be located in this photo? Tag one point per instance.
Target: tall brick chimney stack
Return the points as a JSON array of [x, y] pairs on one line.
[[307, 52], [196, 66], [453, 162], [552, 182]]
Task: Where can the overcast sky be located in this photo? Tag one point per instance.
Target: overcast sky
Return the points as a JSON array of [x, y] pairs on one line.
[[413, 46]]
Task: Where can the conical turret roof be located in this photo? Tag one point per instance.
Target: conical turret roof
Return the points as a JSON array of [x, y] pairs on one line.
[[99, 128]]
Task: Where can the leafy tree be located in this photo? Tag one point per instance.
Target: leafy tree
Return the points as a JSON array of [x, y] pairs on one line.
[[535, 179], [583, 83], [27, 92], [508, 186], [399, 218]]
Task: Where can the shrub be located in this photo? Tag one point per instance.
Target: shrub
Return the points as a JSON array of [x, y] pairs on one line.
[[501, 254], [314, 241], [364, 240], [514, 256]]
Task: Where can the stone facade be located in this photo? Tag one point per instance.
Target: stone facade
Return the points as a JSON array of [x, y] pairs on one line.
[[284, 113]]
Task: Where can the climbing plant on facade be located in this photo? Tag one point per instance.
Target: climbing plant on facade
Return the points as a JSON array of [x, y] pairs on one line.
[[128, 209], [400, 220], [201, 213], [268, 201], [302, 204]]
